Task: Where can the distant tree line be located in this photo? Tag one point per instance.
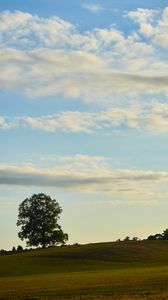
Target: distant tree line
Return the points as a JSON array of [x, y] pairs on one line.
[[14, 249], [159, 236], [127, 239]]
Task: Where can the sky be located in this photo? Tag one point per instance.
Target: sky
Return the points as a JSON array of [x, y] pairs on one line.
[[84, 115]]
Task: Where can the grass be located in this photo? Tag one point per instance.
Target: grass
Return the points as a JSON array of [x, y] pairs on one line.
[[125, 270]]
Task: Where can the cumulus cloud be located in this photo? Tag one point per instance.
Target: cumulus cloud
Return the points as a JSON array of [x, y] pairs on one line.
[[153, 24], [142, 15], [19, 30], [51, 57]]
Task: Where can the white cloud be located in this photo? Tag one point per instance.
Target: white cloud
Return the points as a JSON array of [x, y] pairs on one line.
[[7, 123], [153, 24], [91, 175], [3, 123], [51, 57], [94, 8], [142, 15], [151, 118], [20, 29], [74, 74]]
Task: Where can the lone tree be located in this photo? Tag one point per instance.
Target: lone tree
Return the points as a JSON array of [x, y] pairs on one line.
[[38, 217]]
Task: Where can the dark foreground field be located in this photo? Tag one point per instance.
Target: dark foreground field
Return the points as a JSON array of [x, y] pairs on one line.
[[124, 270]]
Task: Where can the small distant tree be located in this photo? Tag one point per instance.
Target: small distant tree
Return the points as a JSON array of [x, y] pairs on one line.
[[38, 217], [118, 240], [19, 248], [165, 234], [151, 238], [126, 239], [13, 249], [157, 236]]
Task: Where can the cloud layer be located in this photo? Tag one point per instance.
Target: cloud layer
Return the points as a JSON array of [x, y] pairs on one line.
[[150, 119], [51, 57], [91, 175]]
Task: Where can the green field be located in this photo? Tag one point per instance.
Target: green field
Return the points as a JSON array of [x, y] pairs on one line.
[[122, 270]]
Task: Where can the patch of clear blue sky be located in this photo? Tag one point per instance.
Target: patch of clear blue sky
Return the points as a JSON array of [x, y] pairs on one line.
[[74, 12], [125, 149], [38, 106]]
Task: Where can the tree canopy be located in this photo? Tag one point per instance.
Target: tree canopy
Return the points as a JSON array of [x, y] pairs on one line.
[[159, 236], [38, 217]]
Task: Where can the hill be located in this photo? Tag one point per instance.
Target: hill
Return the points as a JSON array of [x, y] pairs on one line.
[[116, 270]]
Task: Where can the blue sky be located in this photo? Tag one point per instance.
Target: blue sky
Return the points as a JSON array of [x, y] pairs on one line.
[[84, 115]]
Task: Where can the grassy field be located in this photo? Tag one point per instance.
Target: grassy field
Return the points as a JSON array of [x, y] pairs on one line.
[[123, 270]]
